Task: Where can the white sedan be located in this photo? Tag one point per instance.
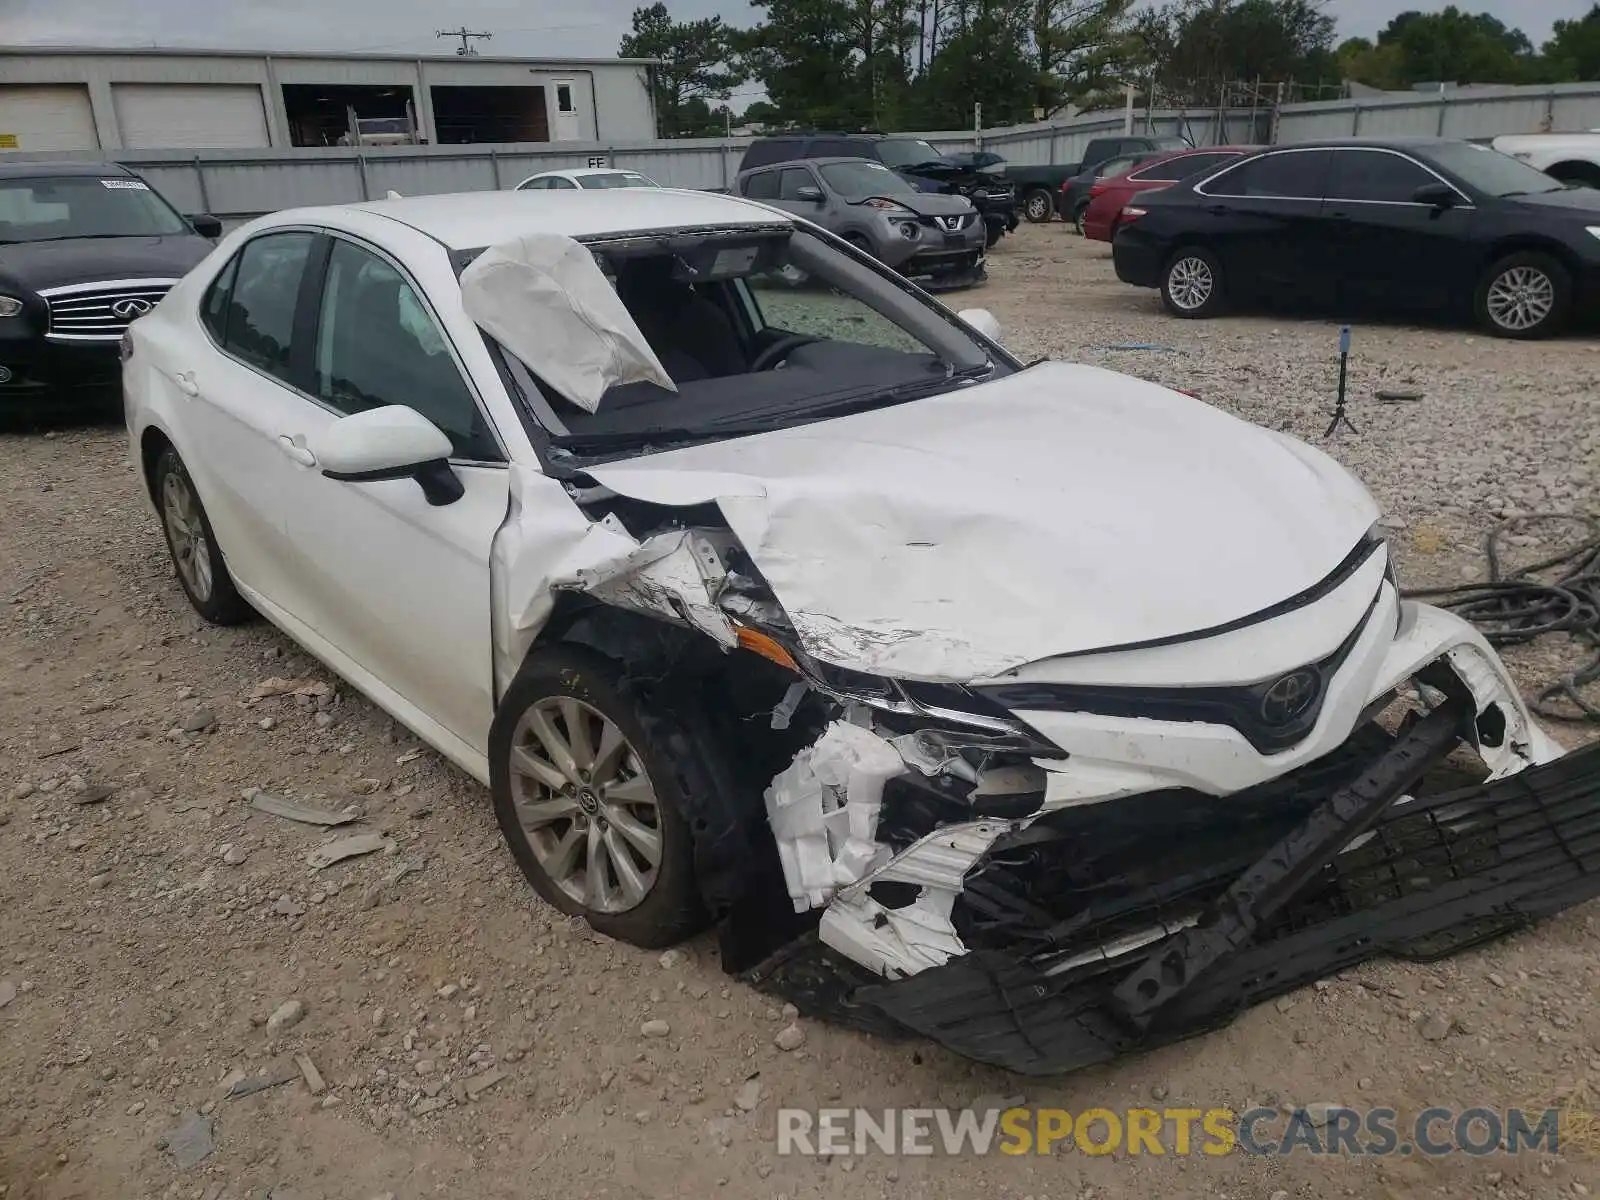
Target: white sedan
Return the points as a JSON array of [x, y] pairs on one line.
[[590, 178], [1033, 708]]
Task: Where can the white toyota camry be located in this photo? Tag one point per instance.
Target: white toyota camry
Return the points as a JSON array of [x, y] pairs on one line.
[[1037, 709]]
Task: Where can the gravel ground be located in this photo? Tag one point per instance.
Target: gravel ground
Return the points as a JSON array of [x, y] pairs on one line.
[[165, 941]]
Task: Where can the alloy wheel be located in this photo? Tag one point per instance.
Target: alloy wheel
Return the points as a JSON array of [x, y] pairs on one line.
[[191, 549], [1521, 298], [1038, 206], [1190, 283], [586, 804]]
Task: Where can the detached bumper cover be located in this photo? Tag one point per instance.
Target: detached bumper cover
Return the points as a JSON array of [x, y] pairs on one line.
[[1083, 948]]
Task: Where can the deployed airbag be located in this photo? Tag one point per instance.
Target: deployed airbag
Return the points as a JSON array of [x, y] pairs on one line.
[[544, 298]]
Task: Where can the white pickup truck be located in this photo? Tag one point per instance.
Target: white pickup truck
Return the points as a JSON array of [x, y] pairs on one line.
[[1570, 157]]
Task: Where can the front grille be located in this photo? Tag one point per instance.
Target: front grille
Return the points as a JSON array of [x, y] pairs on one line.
[[956, 223], [89, 312]]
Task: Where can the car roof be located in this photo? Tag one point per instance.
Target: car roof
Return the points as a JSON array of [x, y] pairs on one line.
[[35, 168], [575, 172], [826, 161], [468, 220], [1418, 142]]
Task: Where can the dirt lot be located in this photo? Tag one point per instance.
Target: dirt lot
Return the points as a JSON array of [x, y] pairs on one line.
[[153, 921]]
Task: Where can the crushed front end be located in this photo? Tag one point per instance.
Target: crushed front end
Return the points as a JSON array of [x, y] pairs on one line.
[[1105, 852]]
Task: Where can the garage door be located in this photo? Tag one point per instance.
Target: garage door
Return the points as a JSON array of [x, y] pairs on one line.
[[39, 117], [189, 116]]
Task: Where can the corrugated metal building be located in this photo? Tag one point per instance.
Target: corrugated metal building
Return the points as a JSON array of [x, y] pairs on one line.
[[68, 99]]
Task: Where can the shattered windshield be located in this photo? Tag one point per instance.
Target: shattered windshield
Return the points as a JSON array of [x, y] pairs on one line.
[[758, 330]]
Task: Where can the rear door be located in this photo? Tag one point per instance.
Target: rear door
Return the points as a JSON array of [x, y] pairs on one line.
[[1265, 225], [1391, 249], [240, 391]]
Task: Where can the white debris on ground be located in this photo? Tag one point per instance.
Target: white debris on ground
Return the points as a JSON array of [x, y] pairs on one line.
[[142, 967]]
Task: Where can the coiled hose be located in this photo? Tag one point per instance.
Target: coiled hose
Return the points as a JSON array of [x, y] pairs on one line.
[[1510, 609]]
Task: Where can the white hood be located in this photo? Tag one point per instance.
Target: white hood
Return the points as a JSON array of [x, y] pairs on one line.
[[1062, 509]]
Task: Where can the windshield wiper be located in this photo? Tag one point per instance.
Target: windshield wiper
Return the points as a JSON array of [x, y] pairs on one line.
[[621, 438], [77, 237]]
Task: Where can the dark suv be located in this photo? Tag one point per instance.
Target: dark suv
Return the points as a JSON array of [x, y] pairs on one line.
[[85, 248], [914, 160]]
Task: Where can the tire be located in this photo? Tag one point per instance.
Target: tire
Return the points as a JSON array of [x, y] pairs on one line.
[[196, 558], [1078, 214], [1191, 284], [1039, 206], [1525, 295], [630, 898], [861, 244]]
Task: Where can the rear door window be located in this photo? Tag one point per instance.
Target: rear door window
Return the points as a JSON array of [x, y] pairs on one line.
[[1285, 175], [261, 304]]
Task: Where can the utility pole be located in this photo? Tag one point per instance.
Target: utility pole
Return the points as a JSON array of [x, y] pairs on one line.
[[467, 36]]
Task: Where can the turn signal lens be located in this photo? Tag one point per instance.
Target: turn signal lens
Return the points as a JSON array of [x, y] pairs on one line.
[[759, 643], [10, 306], [1132, 214]]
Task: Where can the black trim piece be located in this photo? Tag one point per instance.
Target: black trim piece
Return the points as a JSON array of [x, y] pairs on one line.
[[308, 316], [1283, 872], [439, 484], [1437, 875], [1267, 724]]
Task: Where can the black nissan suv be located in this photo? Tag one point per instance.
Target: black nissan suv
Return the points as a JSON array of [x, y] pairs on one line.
[[85, 248], [916, 161]]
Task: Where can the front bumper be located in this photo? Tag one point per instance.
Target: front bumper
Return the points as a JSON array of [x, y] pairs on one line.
[[944, 270], [35, 373], [1088, 941]]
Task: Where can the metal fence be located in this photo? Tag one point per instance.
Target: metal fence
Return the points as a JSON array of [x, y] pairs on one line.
[[1463, 113], [239, 184]]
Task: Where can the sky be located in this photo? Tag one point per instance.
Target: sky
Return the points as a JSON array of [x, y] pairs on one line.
[[534, 28]]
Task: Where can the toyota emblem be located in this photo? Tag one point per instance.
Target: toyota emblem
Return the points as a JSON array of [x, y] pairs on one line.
[[130, 307], [1289, 698]]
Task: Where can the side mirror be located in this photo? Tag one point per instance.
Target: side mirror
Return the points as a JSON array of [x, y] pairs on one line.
[[810, 195], [392, 442], [1439, 195], [205, 225], [983, 321]]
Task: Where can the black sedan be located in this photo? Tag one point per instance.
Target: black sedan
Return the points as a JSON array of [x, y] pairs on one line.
[[1427, 225], [85, 248]]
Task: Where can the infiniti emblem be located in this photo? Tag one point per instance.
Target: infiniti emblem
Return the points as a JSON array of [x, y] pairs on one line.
[[130, 307], [1289, 698]]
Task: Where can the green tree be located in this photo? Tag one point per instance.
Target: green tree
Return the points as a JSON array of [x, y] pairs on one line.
[[1078, 48], [1375, 66], [697, 66], [803, 53], [983, 58], [1196, 48], [1451, 46], [1572, 54]]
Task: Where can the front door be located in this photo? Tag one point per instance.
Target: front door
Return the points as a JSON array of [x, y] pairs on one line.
[[1391, 249], [565, 126], [396, 585]]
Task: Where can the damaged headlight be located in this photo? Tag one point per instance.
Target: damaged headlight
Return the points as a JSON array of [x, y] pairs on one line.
[[960, 715]]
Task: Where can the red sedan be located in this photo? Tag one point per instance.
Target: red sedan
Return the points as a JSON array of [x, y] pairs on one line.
[[1108, 198]]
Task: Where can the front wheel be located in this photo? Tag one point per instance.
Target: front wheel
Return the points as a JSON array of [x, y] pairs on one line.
[[589, 793], [1191, 286], [1524, 295], [1039, 206]]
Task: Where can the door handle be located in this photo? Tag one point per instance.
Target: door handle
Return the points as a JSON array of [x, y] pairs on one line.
[[186, 383], [296, 451], [1339, 215], [1217, 210]]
